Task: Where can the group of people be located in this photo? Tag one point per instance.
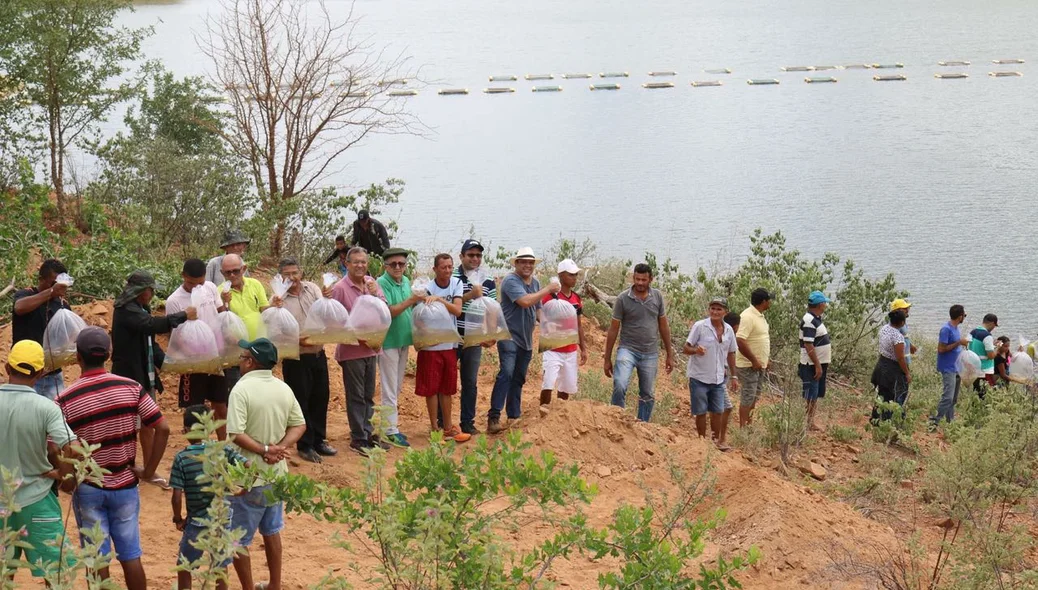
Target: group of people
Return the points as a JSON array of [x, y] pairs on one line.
[[267, 417]]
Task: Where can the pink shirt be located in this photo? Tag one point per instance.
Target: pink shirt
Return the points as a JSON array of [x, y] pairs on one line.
[[346, 292]]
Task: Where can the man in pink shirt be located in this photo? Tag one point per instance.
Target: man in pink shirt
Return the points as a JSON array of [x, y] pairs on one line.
[[358, 360]]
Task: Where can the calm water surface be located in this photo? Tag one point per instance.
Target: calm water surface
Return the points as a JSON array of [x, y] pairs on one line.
[[932, 179]]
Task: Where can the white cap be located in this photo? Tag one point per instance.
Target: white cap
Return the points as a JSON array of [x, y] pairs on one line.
[[569, 266]]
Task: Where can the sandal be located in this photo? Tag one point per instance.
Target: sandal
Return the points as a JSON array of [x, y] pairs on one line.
[[159, 481]]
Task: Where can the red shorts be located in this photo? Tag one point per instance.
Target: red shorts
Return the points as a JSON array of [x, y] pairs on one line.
[[437, 373]]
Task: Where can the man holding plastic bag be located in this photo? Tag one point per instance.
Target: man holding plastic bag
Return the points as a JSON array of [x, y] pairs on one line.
[[520, 300], [247, 298], [197, 388], [33, 309], [560, 364], [392, 363], [135, 353], [436, 378], [949, 344], [307, 375], [476, 284], [358, 360]]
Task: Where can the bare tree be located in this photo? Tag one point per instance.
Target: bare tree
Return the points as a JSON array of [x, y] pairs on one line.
[[302, 89]]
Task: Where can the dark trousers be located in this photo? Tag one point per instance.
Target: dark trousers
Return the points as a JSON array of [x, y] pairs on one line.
[[308, 378], [358, 376], [469, 359], [508, 387]]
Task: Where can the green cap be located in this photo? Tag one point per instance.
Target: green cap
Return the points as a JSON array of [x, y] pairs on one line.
[[136, 283], [261, 349], [390, 252]]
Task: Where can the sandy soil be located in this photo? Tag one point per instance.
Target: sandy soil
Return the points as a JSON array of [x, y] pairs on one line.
[[795, 526]]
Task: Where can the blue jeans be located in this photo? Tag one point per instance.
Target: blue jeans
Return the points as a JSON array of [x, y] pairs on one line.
[[188, 552], [508, 387], [706, 397], [469, 359], [251, 511], [50, 386], [118, 514], [949, 396], [646, 363], [814, 390]]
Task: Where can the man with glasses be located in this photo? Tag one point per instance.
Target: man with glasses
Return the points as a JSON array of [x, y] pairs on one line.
[[520, 300], [246, 297], [307, 376], [234, 242], [392, 363], [264, 421], [358, 360], [476, 283]]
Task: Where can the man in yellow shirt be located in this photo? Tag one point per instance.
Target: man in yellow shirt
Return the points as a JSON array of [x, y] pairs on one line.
[[751, 361], [247, 298]]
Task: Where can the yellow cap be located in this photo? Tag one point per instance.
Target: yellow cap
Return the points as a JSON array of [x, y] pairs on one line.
[[26, 357], [899, 304]]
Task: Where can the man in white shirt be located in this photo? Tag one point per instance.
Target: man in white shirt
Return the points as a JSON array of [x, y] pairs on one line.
[[711, 347], [201, 294]]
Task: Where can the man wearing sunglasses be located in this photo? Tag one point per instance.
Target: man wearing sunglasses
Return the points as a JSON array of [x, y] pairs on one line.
[[247, 298], [476, 283], [392, 363]]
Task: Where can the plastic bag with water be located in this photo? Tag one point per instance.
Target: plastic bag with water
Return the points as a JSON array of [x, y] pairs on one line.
[[229, 329], [279, 325], [59, 339], [193, 347], [370, 320], [559, 325], [418, 288], [328, 320], [484, 322], [968, 366], [1021, 367], [433, 324]]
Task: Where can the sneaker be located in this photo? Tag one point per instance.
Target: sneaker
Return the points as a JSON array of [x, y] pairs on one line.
[[397, 439], [931, 427], [310, 455], [456, 434], [361, 447], [376, 441], [470, 429], [494, 426], [326, 449]]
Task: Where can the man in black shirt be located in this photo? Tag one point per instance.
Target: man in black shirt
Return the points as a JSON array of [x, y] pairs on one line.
[[370, 234], [33, 308]]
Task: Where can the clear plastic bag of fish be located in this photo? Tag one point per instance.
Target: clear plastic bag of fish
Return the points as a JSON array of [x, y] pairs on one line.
[[433, 324], [193, 348], [418, 288], [64, 279], [968, 366], [369, 321], [484, 322], [59, 339], [559, 325], [229, 329], [328, 320], [1021, 368]]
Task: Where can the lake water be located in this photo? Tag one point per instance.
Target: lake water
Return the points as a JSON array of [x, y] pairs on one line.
[[931, 179]]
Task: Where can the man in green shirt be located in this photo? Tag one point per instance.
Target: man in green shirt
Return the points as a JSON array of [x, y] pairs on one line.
[[27, 420], [264, 420], [392, 363]]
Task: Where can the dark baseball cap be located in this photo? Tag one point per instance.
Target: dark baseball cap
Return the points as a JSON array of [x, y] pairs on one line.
[[93, 342], [362, 215], [261, 349], [470, 244]]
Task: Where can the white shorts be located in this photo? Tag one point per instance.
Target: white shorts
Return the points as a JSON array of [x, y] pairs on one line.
[[560, 368]]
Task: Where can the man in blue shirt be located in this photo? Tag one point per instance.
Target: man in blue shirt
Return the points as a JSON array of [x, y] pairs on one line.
[[949, 345], [521, 296]]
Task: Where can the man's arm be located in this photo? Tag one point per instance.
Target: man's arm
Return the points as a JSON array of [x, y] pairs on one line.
[[453, 306], [744, 348], [580, 338], [989, 346], [355, 236], [178, 502], [668, 345], [30, 303], [158, 448], [399, 308], [524, 299], [614, 329], [292, 436], [734, 381]]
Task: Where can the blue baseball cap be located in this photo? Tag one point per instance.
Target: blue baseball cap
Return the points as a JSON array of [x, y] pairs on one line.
[[817, 297]]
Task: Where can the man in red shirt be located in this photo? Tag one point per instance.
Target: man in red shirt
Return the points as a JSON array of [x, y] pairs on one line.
[[102, 409], [560, 364]]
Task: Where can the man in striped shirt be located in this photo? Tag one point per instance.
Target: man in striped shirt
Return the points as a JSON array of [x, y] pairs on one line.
[[815, 353], [102, 409], [475, 283]]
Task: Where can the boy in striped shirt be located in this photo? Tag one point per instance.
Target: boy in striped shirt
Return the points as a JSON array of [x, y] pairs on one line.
[[185, 479]]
